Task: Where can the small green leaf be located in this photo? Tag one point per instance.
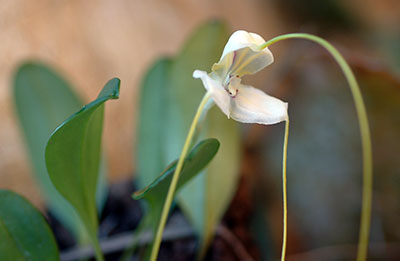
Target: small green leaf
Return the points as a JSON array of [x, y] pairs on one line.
[[155, 193], [24, 233], [43, 99], [73, 156], [197, 159]]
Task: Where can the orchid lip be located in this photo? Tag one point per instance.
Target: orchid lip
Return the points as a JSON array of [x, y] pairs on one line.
[[233, 95], [231, 87]]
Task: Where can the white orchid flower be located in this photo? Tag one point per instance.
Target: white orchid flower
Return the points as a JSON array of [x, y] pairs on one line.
[[242, 55]]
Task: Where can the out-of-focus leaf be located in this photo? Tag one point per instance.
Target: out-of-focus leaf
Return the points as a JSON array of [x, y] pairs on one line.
[[205, 200], [184, 93], [43, 100], [73, 156], [156, 193], [151, 123], [24, 233], [178, 95]]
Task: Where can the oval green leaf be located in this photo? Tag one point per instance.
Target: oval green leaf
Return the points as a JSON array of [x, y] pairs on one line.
[[43, 99], [73, 156], [24, 233]]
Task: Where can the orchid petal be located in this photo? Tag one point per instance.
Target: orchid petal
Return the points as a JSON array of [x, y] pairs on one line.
[[242, 55], [218, 93], [254, 106], [250, 62], [241, 39]]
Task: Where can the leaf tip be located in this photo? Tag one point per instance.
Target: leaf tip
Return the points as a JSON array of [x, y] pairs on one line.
[[137, 195]]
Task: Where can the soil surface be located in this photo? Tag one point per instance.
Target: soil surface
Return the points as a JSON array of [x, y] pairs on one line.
[[122, 214]]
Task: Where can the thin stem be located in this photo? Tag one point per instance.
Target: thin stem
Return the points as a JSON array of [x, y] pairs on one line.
[[92, 233], [172, 187], [284, 160], [364, 131], [99, 254], [97, 248]]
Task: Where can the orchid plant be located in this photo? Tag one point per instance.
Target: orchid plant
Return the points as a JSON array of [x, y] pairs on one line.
[[71, 173], [245, 54]]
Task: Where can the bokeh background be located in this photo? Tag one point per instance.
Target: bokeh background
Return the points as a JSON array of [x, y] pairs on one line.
[[89, 42]]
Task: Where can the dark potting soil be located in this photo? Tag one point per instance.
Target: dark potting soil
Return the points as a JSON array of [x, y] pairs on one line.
[[122, 214]]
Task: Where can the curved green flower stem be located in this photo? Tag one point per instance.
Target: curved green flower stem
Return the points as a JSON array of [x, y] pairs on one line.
[[284, 160], [174, 181], [364, 130]]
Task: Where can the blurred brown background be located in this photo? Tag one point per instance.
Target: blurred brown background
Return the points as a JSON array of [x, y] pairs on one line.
[[89, 42]]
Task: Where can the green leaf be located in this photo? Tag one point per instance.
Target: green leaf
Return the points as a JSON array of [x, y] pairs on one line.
[[197, 159], [184, 93], [206, 199], [43, 99], [155, 193], [150, 142], [24, 233], [174, 97], [73, 156]]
